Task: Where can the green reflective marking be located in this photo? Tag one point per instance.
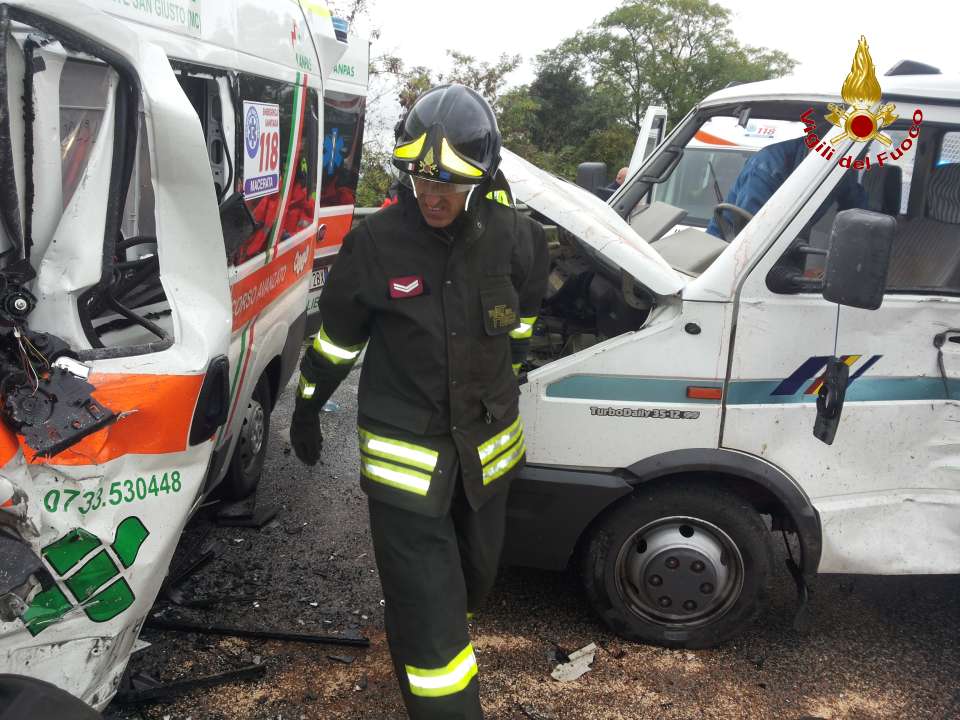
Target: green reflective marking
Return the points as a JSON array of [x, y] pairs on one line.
[[92, 576], [130, 536], [46, 608], [70, 549], [109, 603]]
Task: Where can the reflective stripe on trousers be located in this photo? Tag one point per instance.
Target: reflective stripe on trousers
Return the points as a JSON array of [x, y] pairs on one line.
[[451, 678]]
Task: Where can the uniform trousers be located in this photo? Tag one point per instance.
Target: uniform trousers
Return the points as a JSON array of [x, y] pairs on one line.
[[433, 572]]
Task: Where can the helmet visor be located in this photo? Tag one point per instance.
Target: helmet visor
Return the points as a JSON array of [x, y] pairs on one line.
[[417, 157], [431, 187]]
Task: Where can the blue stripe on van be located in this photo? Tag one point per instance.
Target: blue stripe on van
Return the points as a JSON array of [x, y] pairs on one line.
[[759, 392], [744, 392], [628, 389]]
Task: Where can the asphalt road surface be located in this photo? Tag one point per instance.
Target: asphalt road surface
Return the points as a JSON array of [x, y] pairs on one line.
[[877, 648]]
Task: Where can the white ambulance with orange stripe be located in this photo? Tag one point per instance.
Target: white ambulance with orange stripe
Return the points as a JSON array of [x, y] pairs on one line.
[[344, 113], [161, 164]]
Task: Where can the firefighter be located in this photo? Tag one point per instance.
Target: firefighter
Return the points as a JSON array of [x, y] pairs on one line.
[[443, 289]]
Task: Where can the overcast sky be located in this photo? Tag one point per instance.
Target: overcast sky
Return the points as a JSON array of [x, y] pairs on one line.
[[821, 35]]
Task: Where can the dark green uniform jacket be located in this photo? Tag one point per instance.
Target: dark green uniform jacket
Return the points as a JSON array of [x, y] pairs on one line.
[[444, 314]]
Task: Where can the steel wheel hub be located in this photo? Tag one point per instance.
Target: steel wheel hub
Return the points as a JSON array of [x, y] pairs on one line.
[[680, 571], [252, 433]]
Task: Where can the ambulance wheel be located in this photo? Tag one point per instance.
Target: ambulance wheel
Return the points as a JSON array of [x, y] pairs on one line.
[[682, 567], [246, 465]]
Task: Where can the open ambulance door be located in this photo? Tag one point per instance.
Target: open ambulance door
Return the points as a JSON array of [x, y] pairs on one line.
[[110, 419], [653, 130]]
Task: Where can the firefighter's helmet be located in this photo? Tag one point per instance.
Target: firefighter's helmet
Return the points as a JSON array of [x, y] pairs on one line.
[[449, 135]]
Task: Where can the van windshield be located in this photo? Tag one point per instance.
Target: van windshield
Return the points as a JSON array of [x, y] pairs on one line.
[[712, 161], [703, 178]]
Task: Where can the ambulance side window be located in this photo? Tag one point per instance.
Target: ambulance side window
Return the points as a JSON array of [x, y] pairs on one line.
[[269, 116], [343, 117]]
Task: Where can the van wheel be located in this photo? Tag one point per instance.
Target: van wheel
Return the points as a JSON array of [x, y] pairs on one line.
[[246, 465], [682, 566]]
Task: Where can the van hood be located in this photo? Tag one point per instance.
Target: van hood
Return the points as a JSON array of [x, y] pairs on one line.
[[592, 221]]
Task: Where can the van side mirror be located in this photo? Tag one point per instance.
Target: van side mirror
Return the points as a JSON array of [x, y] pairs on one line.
[[592, 176], [237, 221], [861, 242], [856, 276]]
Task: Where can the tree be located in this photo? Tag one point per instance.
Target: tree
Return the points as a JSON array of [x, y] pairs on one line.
[[671, 53]]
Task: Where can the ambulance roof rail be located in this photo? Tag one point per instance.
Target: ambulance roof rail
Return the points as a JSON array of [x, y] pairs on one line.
[[912, 67]]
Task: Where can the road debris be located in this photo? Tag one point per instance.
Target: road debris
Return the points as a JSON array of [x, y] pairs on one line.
[[157, 692], [531, 712], [246, 513], [578, 665], [345, 659], [157, 623]]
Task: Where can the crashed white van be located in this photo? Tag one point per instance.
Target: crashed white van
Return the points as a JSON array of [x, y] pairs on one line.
[[158, 213], [691, 394]]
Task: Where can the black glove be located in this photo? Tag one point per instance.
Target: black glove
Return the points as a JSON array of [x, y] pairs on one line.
[[305, 434]]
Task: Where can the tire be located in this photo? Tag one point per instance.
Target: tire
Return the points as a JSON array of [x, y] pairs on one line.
[[246, 463], [682, 566]]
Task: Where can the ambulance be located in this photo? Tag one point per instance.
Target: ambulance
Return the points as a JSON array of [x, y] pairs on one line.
[[344, 113], [161, 164], [694, 402]]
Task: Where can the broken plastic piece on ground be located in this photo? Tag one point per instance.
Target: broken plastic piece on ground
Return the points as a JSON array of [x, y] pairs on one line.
[[246, 513], [156, 623], [531, 712], [171, 690], [330, 406], [578, 665], [345, 659]]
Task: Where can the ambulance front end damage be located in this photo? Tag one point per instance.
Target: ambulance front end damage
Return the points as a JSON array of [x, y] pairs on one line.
[[114, 326]]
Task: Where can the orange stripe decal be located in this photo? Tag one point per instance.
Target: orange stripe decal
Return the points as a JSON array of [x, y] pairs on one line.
[[160, 411], [337, 227], [254, 292], [8, 445]]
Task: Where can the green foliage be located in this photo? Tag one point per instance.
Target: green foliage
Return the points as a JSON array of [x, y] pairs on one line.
[[589, 94], [376, 176], [671, 53]]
